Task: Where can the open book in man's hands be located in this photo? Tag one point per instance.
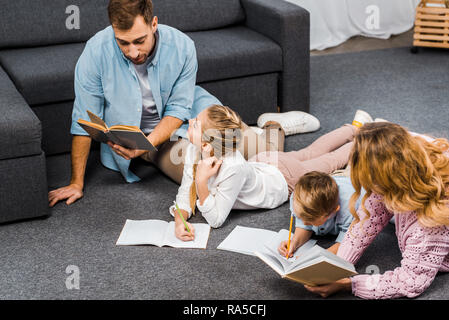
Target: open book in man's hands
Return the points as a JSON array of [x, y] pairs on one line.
[[314, 266], [130, 137]]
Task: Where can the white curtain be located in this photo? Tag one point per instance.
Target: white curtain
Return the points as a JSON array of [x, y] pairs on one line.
[[332, 22]]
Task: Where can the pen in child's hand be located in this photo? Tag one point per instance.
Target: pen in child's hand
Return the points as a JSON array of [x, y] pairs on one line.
[[289, 236], [182, 217]]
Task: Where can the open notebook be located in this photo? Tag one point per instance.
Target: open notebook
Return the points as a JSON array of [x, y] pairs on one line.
[[314, 266], [160, 233], [249, 240]]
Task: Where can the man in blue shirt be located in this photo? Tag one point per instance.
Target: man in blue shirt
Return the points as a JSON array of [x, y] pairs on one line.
[[111, 83], [140, 73]]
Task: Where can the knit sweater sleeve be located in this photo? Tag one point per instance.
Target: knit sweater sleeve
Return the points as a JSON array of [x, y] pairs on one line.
[[423, 256], [361, 234]]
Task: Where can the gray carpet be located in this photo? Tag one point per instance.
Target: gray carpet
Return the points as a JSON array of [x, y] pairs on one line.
[[393, 84]]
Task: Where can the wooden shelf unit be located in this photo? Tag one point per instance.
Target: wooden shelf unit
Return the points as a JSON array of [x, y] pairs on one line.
[[432, 24]]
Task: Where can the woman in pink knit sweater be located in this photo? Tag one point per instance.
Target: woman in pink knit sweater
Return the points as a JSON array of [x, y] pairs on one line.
[[406, 177]]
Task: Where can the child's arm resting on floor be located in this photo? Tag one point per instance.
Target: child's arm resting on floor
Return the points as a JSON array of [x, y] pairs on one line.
[[300, 237]]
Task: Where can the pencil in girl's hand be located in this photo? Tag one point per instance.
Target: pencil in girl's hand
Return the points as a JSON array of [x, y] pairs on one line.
[[289, 235], [182, 217]]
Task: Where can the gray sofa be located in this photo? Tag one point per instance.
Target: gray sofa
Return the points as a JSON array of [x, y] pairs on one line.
[[252, 54]]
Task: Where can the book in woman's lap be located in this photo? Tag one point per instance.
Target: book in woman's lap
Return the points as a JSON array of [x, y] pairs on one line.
[[160, 233]]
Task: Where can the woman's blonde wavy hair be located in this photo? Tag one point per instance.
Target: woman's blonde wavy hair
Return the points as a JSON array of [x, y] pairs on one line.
[[223, 132], [410, 173]]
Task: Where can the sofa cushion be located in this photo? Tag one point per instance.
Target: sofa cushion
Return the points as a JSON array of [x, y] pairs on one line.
[[249, 96], [234, 52], [24, 190], [20, 129], [198, 15], [43, 74], [56, 120], [25, 23]]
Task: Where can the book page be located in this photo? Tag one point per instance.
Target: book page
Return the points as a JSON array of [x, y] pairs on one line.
[[246, 240], [94, 131], [282, 235], [272, 246], [318, 252], [92, 125], [303, 259], [136, 232], [202, 231], [96, 119], [272, 261], [125, 128], [336, 260]]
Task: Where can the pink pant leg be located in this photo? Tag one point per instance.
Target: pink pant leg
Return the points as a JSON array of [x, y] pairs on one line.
[[326, 143], [326, 154], [293, 169]]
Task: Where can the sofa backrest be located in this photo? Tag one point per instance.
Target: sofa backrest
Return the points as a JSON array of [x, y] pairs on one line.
[[29, 23], [197, 15], [25, 23]]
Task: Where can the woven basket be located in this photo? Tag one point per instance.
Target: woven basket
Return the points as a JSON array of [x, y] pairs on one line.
[[432, 24]]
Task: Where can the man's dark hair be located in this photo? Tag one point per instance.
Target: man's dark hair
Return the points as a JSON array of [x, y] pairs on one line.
[[122, 13]]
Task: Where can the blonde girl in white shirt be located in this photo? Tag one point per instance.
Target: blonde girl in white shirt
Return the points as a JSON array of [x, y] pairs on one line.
[[217, 178]]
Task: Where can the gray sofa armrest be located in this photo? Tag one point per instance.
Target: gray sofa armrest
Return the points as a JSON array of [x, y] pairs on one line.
[[289, 26], [20, 129]]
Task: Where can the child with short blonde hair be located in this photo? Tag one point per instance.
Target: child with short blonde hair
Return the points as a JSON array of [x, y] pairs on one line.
[[320, 204]]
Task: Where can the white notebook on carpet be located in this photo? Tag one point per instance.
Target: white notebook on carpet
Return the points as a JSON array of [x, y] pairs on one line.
[[160, 233], [249, 240]]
